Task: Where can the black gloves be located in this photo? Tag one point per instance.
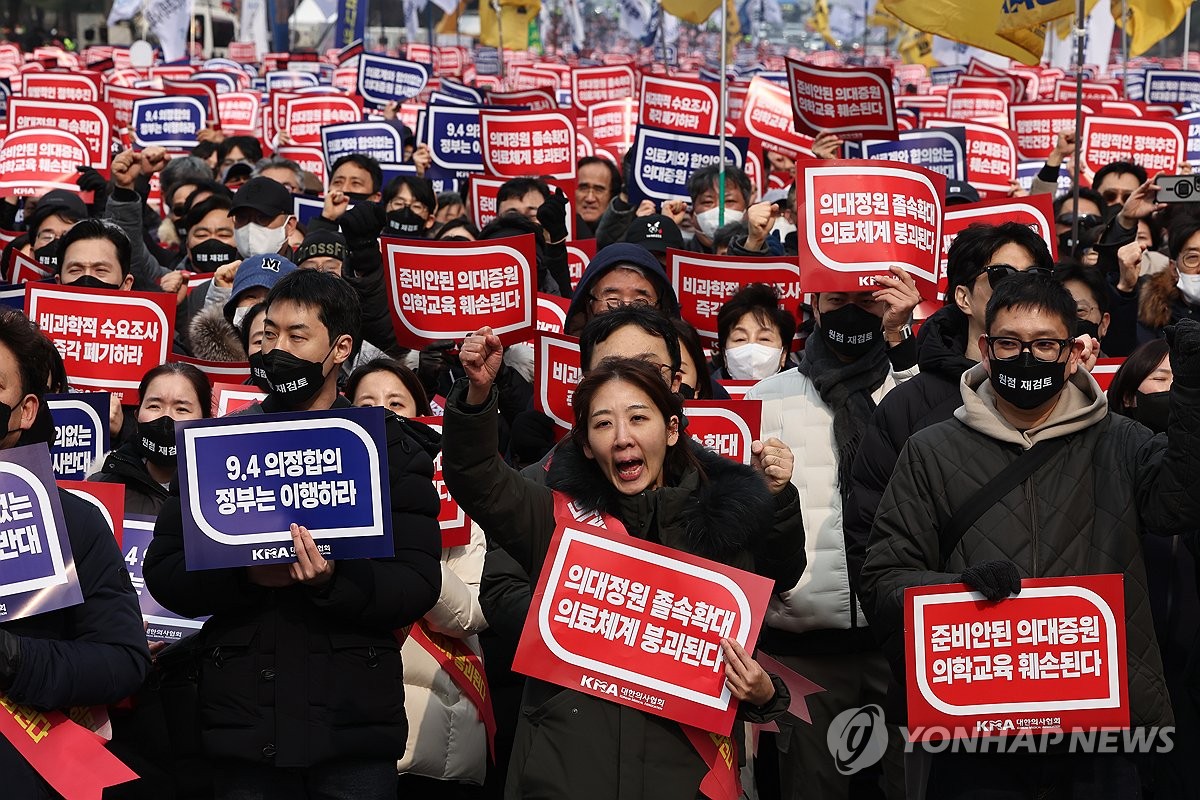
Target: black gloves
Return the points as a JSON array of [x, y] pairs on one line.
[[364, 221], [90, 180], [552, 215], [432, 362], [10, 659], [1184, 339], [995, 580]]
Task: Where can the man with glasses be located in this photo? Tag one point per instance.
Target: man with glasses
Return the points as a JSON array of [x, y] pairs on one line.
[[1115, 182], [620, 274], [1106, 482], [55, 213]]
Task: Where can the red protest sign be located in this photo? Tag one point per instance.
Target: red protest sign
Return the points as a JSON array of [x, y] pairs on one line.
[[933, 104], [90, 122], [964, 104], [65, 87], [107, 498], [1051, 658], [239, 111], [612, 124], [1064, 91], [1105, 370], [310, 159], [532, 99], [228, 398], [1154, 144], [1035, 126], [556, 371], [25, 269], [727, 427], [703, 283], [35, 160], [991, 155], [243, 52], [675, 104], [579, 254], [303, 117], [591, 85], [122, 99], [852, 102], [767, 115], [859, 217], [551, 313], [637, 623], [216, 371], [737, 389], [1011, 86], [1035, 211], [448, 290], [107, 339], [455, 525], [516, 143]]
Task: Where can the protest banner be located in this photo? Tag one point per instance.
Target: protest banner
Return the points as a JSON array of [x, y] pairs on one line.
[[663, 161], [551, 313], [857, 218], [726, 427], [204, 92], [122, 98], [455, 525], [518, 143], [107, 498], [216, 371], [850, 102], [231, 397], [737, 389], [309, 159], [289, 80], [967, 104], [240, 111], [91, 122], [162, 625], [1171, 86], [304, 117], [81, 432], [1051, 658], [1155, 145], [676, 104], [107, 339], [579, 254], [378, 140], [29, 270], [470, 94], [556, 372], [382, 79], [531, 99], [767, 115], [448, 290], [245, 480], [39, 569], [941, 150], [637, 623], [590, 85], [924, 104], [1009, 85], [452, 133], [1065, 91], [703, 284], [611, 126], [36, 160], [1035, 212], [222, 82], [62, 87], [524, 77], [991, 155], [1035, 126], [174, 121]]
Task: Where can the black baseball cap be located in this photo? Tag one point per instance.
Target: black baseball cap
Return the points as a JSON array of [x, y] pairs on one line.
[[657, 233], [263, 195], [56, 201]]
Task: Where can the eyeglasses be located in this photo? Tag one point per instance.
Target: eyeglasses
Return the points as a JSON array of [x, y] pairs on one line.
[[45, 237], [1116, 195], [399, 204], [1190, 259], [1005, 348], [1085, 220], [613, 303], [998, 273]]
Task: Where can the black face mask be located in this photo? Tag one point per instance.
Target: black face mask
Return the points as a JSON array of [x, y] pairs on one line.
[[1152, 410], [405, 223], [211, 254], [47, 255], [92, 282], [687, 392], [1085, 327], [258, 372], [156, 441], [1026, 382], [851, 330], [293, 379], [356, 197], [6, 413]]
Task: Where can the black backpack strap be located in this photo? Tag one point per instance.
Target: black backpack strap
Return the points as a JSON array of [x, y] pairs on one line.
[[990, 493]]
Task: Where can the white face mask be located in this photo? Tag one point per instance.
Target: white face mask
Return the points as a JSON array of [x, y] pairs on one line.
[[709, 221], [239, 314], [752, 362], [253, 239], [1190, 286]]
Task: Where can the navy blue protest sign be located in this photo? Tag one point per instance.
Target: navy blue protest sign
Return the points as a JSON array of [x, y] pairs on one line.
[[940, 150], [37, 570], [461, 91], [453, 133], [664, 160], [444, 180], [379, 140], [1193, 138], [221, 81], [81, 433], [307, 209], [289, 80], [168, 121], [162, 625], [1171, 86], [12, 295], [487, 61], [393, 171], [944, 76], [1028, 170], [382, 79], [245, 480]]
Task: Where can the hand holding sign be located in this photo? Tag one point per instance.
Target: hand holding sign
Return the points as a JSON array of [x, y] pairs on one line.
[[311, 567], [747, 681], [422, 159], [775, 461], [481, 357], [900, 293], [827, 145]]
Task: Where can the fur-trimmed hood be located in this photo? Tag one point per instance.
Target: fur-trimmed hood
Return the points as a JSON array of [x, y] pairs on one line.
[[213, 338], [1158, 297], [719, 516]]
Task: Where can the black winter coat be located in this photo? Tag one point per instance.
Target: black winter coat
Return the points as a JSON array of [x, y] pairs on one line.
[[302, 675], [89, 654], [143, 495]]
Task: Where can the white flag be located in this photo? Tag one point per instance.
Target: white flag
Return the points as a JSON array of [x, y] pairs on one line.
[[447, 6], [123, 10], [169, 20], [254, 25], [1097, 44], [635, 18]]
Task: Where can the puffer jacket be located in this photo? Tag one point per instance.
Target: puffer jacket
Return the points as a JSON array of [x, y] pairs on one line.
[[1081, 513], [820, 613], [143, 495], [571, 744], [446, 739]]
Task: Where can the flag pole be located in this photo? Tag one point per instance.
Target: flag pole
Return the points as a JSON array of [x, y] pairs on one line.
[[1080, 38], [1187, 34], [721, 132], [1124, 47], [495, 4]]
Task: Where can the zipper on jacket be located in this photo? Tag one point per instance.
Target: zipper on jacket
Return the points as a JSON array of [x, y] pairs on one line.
[[1031, 498]]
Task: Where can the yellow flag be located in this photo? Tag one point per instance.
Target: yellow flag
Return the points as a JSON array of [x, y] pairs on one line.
[[972, 22], [696, 12], [1025, 23], [916, 47], [448, 24], [820, 21], [514, 21], [1150, 21]]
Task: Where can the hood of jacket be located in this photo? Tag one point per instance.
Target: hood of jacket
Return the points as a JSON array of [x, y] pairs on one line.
[[621, 253], [1081, 405], [1158, 297], [942, 343], [718, 516], [213, 338]]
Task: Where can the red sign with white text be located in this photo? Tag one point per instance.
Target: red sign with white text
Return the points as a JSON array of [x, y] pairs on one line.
[[767, 115], [579, 254], [1035, 212], [36, 160], [63, 87], [591, 85], [727, 427], [1035, 126], [24, 269], [611, 126], [556, 372], [965, 104], [991, 157], [1065, 90], [675, 104], [303, 117], [1105, 370], [448, 290], [552, 313], [107, 339], [852, 102], [532, 99], [1051, 658], [91, 122], [240, 111], [859, 217], [639, 624], [107, 498], [519, 143], [122, 99], [1154, 144], [703, 283], [454, 522], [216, 371]]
